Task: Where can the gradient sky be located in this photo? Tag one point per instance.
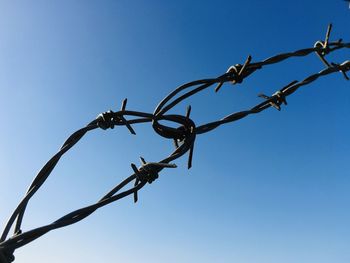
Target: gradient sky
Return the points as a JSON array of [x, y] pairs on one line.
[[271, 188]]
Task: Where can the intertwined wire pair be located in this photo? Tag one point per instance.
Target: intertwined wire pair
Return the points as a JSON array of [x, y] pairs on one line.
[[183, 136]]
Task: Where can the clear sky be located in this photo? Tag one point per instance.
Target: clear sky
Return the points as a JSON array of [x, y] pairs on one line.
[[271, 188]]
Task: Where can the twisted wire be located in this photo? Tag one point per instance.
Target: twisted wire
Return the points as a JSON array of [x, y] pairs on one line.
[[183, 136]]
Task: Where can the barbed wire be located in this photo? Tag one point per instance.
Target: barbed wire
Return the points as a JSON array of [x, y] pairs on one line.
[[183, 136]]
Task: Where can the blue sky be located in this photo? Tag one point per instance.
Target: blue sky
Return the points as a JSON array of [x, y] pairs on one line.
[[269, 188]]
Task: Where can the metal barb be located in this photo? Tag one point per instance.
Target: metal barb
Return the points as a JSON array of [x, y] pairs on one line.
[[273, 101], [142, 160], [236, 73], [327, 36], [124, 121], [245, 65], [176, 143], [137, 180], [341, 70], [124, 104], [324, 47], [188, 111]]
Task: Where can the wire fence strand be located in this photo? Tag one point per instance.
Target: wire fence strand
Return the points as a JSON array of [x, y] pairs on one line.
[[183, 136]]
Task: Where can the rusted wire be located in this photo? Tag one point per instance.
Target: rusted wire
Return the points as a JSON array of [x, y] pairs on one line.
[[183, 136]]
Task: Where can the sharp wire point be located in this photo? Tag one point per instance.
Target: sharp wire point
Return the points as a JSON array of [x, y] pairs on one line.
[[124, 104], [142, 160], [218, 87], [188, 111], [176, 143], [246, 63], [327, 35], [190, 157], [134, 167]]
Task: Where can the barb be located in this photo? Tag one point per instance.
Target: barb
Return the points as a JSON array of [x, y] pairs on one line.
[[236, 73], [183, 137]]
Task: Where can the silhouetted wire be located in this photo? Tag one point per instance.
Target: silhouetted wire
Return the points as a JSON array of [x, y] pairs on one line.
[[184, 137]]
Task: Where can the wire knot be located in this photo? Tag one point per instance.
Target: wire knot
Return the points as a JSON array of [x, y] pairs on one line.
[[106, 120], [276, 100], [324, 45], [235, 73], [323, 48], [148, 173]]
